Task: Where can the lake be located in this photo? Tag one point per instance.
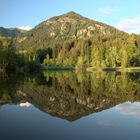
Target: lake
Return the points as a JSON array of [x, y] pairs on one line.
[[66, 105]]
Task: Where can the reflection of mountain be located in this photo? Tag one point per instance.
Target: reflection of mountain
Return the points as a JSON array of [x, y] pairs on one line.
[[71, 96]]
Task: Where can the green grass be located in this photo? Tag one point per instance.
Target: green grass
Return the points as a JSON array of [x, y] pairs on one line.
[[121, 69], [57, 68]]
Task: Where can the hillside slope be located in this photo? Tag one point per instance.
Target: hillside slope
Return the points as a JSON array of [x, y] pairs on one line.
[[10, 32], [70, 26], [71, 40]]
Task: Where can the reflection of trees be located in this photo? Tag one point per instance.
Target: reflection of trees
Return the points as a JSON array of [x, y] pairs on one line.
[[69, 95], [8, 87]]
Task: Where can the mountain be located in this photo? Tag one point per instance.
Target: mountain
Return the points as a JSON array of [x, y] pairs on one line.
[[71, 40], [10, 32], [70, 26]]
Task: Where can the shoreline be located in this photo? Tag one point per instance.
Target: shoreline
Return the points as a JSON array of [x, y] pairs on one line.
[[57, 68], [114, 69], [92, 69]]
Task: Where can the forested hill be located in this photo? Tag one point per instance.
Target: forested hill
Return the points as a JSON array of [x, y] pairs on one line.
[[10, 32], [70, 26], [71, 40]]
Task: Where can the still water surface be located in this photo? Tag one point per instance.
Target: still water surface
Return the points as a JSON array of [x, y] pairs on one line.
[[70, 106]]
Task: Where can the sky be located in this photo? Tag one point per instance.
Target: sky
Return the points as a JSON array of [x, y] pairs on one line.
[[26, 14]]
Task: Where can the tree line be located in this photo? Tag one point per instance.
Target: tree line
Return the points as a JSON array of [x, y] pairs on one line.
[[100, 51], [11, 60]]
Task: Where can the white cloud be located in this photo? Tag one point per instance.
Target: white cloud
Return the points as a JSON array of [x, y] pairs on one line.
[[105, 10], [26, 104], [130, 25], [129, 109], [25, 28]]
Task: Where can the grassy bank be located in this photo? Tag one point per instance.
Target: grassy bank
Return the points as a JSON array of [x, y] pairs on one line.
[[57, 68], [121, 69]]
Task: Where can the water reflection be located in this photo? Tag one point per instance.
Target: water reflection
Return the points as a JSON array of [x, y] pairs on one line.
[[129, 109], [70, 96], [26, 104]]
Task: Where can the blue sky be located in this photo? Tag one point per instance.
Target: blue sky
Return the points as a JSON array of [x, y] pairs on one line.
[[123, 14]]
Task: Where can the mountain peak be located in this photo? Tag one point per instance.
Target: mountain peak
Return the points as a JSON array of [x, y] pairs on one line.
[[72, 14]]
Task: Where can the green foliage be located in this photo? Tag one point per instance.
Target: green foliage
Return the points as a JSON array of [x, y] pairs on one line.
[[8, 58], [79, 42], [11, 60], [32, 67], [71, 40], [81, 62], [111, 51]]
